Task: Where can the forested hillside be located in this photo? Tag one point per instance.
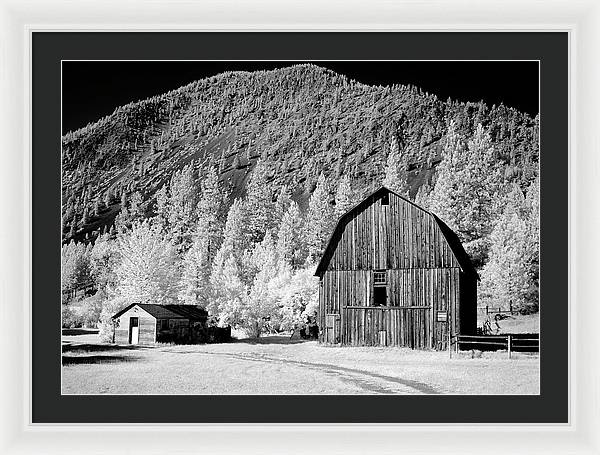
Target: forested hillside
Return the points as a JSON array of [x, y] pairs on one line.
[[214, 177]]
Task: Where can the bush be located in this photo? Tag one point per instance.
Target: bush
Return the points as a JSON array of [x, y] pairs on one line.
[[82, 313]]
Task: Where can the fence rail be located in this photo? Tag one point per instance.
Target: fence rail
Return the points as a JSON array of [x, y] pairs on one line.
[[512, 342]]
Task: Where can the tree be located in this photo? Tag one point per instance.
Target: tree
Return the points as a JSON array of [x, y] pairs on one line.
[[235, 238], [395, 170], [162, 206], [345, 197], [136, 207], [318, 220], [300, 299], [104, 260], [291, 245], [75, 266], [210, 212], [261, 302], [468, 190], [182, 208], [506, 278], [228, 291], [259, 204], [148, 271], [107, 198], [284, 199], [195, 285]]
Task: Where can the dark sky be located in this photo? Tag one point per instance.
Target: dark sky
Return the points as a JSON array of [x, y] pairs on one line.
[[94, 89]]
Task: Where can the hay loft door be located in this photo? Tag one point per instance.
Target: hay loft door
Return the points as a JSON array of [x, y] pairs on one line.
[[134, 330]]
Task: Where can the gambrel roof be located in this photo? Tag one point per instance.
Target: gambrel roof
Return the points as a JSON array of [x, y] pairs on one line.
[[451, 238]]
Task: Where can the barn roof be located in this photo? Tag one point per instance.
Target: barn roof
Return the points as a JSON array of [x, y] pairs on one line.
[[168, 311], [453, 241]]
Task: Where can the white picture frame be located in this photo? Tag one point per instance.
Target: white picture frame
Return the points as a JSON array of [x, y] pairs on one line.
[[19, 19]]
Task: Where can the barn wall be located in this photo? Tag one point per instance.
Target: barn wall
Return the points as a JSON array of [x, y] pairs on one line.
[[410, 318], [397, 236], [147, 326]]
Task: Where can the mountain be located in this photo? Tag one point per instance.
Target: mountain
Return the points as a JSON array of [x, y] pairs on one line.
[[301, 120]]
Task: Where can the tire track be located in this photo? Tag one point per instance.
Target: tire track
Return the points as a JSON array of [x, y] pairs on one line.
[[365, 380]]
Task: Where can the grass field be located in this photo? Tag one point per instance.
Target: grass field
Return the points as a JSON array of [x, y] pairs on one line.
[[275, 365]]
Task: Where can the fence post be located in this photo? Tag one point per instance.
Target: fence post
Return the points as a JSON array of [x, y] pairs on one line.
[[487, 310], [449, 343], [509, 346]]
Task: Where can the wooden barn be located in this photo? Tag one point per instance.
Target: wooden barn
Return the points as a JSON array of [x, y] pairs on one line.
[[144, 323], [394, 274]]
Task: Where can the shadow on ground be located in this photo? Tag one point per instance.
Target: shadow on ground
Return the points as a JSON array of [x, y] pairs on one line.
[[73, 332], [275, 339], [89, 347], [94, 359]]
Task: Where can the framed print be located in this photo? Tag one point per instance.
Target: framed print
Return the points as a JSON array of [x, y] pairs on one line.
[[302, 232], [285, 230]]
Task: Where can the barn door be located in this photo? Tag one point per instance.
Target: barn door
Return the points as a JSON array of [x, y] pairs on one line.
[[134, 330], [332, 328]]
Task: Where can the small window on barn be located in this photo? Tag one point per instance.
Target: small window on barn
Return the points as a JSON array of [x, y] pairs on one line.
[[164, 324], [385, 199], [379, 288], [379, 277]]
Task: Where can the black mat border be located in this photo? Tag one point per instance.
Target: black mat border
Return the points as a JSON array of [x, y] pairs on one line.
[[49, 48]]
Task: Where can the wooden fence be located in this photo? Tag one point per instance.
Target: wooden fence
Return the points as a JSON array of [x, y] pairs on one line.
[[512, 342], [487, 310]]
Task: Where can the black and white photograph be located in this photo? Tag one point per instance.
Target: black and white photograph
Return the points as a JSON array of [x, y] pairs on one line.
[[337, 227]]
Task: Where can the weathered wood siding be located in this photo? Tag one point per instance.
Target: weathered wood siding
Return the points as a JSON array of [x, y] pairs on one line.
[[397, 236], [147, 326], [423, 278], [414, 296]]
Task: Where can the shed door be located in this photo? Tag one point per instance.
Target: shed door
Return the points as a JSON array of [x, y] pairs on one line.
[[134, 330], [332, 328]]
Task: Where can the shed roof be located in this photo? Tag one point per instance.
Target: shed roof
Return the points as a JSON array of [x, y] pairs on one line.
[[453, 241], [168, 311]]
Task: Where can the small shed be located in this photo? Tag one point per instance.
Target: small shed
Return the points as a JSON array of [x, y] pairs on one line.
[[145, 323], [394, 274]]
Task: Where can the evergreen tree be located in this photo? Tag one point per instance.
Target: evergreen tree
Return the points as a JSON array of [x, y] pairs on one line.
[[395, 171], [210, 212], [195, 286], [136, 208], [235, 240], [284, 199], [259, 204], [422, 196], [182, 208], [197, 265], [85, 218], [291, 246], [162, 206], [318, 220], [345, 197], [468, 190]]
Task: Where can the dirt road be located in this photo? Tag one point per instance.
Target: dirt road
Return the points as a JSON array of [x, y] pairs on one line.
[[277, 366]]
